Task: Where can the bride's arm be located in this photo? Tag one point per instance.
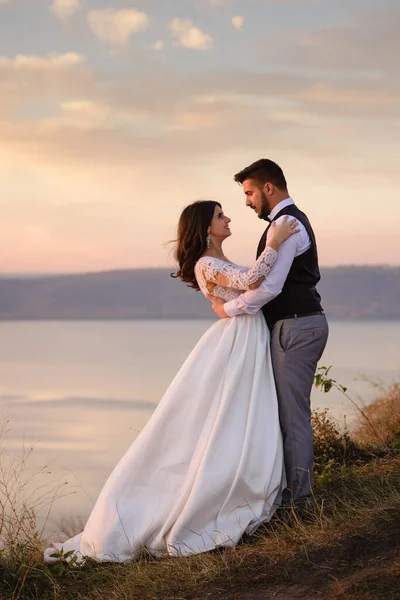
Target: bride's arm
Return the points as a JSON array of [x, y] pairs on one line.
[[217, 272], [232, 276]]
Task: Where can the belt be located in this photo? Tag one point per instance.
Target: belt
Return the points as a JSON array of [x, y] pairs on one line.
[[298, 316]]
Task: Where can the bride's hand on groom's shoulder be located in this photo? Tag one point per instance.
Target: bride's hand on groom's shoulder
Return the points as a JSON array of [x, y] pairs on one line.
[[218, 306], [282, 230]]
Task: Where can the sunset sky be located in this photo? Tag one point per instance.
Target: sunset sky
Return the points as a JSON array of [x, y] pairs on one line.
[[115, 115]]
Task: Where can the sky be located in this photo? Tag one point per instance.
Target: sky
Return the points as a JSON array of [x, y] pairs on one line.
[[116, 115]]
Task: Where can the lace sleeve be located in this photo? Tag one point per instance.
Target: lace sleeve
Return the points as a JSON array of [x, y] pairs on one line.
[[217, 272]]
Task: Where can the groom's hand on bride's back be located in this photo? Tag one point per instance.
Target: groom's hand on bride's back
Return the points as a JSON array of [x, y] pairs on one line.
[[218, 306]]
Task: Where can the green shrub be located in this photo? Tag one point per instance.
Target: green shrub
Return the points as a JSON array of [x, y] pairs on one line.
[[333, 449]]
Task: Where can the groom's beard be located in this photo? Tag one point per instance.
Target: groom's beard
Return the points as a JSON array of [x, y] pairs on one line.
[[263, 214]]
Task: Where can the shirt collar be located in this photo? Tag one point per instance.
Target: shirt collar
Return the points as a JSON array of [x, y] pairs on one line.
[[282, 204]]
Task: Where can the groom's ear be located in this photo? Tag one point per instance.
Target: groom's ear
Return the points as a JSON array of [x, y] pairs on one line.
[[268, 188]]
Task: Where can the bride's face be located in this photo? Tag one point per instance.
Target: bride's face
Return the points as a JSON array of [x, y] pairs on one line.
[[219, 226]]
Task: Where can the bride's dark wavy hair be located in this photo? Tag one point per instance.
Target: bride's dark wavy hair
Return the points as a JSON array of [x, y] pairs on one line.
[[191, 240]]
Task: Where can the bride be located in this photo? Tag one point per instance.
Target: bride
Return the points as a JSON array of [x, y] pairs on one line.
[[208, 466]]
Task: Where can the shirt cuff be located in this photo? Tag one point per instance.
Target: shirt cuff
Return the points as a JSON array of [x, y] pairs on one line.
[[231, 308]]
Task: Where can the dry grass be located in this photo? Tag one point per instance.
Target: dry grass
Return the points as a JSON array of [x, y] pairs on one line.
[[346, 509], [357, 510], [20, 502], [384, 414]]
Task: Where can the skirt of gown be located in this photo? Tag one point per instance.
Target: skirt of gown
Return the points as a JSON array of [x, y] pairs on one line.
[[208, 465]]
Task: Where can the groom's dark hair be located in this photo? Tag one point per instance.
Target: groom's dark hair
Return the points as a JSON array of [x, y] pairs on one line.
[[263, 171]]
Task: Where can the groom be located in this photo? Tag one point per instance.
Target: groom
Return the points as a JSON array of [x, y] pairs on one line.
[[292, 309]]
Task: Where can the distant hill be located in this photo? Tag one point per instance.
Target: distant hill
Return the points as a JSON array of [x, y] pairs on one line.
[[347, 293]]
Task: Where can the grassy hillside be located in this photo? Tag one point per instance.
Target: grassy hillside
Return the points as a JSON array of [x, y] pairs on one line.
[[345, 547]]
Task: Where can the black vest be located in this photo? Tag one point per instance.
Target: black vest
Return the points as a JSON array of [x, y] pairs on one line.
[[299, 295]]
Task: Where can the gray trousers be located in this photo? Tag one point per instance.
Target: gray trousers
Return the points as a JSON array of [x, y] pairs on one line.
[[296, 347]]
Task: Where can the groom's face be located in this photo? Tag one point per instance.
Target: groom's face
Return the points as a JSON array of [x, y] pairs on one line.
[[256, 198]]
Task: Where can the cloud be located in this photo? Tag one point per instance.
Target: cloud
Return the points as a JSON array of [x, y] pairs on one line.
[[237, 22], [65, 9], [172, 117], [82, 114], [49, 62], [182, 118], [214, 3], [211, 6], [366, 46], [157, 46], [103, 118], [5, 2], [75, 142], [115, 26], [27, 80], [189, 36]]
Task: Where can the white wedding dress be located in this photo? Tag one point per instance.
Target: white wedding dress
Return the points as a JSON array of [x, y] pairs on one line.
[[208, 466]]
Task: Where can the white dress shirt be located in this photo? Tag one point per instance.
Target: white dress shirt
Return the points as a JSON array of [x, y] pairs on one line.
[[251, 301]]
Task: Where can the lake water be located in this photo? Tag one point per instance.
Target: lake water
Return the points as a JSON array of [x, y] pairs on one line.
[[78, 393]]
